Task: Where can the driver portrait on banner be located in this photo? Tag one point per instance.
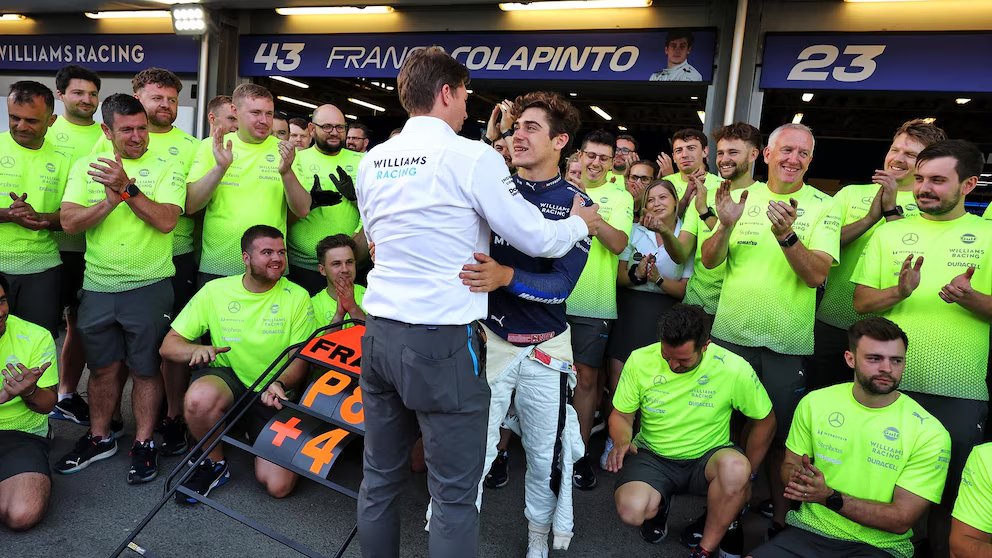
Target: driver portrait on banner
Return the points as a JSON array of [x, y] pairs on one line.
[[678, 46]]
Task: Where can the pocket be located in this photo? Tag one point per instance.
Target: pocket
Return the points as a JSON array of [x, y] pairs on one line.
[[431, 385]]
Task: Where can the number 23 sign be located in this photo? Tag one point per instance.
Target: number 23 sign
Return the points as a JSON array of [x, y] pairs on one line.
[[883, 62]]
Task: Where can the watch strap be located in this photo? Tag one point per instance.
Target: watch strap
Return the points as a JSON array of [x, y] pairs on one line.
[[894, 212], [789, 240], [709, 213]]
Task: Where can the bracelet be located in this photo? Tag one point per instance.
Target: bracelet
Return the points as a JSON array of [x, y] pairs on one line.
[[281, 384], [507, 133], [632, 274], [486, 140], [659, 281]]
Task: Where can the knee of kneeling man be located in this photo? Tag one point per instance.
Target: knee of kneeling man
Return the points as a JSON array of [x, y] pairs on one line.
[[200, 400], [631, 515], [22, 517], [279, 489]]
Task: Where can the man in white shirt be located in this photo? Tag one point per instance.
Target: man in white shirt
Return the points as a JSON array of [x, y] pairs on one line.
[[427, 198], [678, 45]]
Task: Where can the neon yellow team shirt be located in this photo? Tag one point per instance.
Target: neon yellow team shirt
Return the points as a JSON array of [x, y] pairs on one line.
[[250, 193], [74, 142], [174, 145], [32, 346], [683, 416], [763, 302], [256, 326], [322, 221], [41, 174], [324, 306], [595, 293], [712, 182], [703, 288], [853, 202], [123, 252], [949, 345], [974, 503], [899, 445]]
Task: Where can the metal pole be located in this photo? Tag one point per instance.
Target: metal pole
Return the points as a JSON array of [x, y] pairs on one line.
[[201, 87], [736, 54]]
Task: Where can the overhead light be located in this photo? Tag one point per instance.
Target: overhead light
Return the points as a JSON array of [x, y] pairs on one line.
[[621, 128], [880, 1], [283, 79], [171, 2], [188, 19], [601, 112], [296, 101], [351, 117], [807, 97], [573, 94], [12, 17], [573, 5], [694, 98], [481, 121], [930, 119], [389, 88], [335, 10], [962, 100], [129, 14], [797, 118], [366, 104], [469, 91]]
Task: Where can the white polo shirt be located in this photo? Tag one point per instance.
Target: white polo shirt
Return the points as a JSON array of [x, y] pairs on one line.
[[427, 198]]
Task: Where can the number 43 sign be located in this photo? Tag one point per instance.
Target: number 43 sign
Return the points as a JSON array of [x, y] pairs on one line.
[[883, 62]]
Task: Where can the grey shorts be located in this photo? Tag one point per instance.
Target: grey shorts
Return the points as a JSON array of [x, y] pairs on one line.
[[589, 339], [127, 326], [35, 297], [668, 476], [800, 543], [783, 376], [256, 417]]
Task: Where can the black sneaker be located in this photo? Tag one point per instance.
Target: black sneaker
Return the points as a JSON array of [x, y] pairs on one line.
[[117, 428], [766, 508], [499, 473], [74, 409], [88, 449], [144, 462], [732, 545], [583, 476], [207, 476], [174, 439], [693, 532], [655, 530]]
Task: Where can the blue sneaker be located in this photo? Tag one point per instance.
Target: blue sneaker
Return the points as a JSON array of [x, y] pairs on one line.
[[208, 476], [74, 409]]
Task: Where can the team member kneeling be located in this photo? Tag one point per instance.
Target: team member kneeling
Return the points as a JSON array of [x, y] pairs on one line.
[[880, 458], [251, 318], [685, 398]]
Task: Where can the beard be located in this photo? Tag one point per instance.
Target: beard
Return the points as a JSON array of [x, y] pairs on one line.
[[327, 146], [739, 171], [946, 206], [262, 274], [870, 386]]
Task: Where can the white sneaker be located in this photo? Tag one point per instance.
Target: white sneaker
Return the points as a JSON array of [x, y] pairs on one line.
[[537, 542], [606, 453]]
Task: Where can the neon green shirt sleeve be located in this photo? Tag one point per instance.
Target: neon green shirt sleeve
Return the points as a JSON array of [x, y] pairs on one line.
[[974, 503]]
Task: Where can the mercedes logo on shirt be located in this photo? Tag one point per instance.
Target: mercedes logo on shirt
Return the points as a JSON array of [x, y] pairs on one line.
[[234, 307], [7, 161], [753, 211], [836, 419], [910, 238], [62, 136]]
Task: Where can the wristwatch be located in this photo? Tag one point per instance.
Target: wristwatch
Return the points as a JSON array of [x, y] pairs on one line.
[[835, 501], [709, 213], [894, 212], [130, 191], [789, 240], [660, 280]]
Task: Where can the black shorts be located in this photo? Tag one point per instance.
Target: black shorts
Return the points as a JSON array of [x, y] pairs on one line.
[[668, 476], [34, 297], [73, 266], [310, 280], [23, 453], [964, 420], [204, 278], [256, 417], [127, 326], [589, 338], [800, 543], [183, 282], [784, 378]]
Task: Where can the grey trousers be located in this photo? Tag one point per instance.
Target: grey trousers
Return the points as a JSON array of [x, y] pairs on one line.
[[434, 376]]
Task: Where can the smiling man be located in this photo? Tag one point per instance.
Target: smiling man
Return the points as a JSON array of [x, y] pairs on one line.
[[245, 178], [864, 208], [778, 241], [932, 275]]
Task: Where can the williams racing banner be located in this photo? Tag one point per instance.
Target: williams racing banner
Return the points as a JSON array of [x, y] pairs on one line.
[[952, 62], [100, 53], [642, 55]]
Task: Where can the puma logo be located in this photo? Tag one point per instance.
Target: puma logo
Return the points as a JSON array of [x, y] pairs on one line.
[[719, 357], [498, 320], [922, 418]]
